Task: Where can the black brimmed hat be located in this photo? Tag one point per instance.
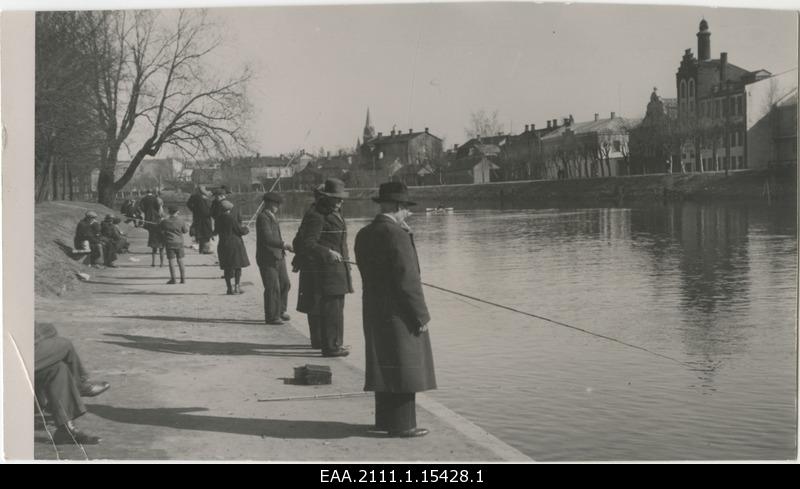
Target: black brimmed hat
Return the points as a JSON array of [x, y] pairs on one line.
[[393, 192], [334, 188], [273, 197]]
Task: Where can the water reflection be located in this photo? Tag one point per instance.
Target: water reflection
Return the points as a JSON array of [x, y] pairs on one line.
[[711, 285]]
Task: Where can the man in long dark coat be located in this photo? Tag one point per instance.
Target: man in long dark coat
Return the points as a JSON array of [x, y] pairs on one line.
[[303, 264], [201, 218], [271, 260], [399, 360], [324, 243]]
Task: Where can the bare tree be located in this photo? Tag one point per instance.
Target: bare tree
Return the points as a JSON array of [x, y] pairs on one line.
[[482, 123], [65, 135], [150, 84]]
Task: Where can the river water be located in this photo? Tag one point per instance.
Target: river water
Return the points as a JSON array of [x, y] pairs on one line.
[[711, 286]]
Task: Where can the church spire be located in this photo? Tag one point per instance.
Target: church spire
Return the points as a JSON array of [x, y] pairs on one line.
[[369, 131]]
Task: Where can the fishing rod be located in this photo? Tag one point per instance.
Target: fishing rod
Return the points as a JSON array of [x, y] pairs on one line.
[[318, 396], [553, 321], [280, 174]]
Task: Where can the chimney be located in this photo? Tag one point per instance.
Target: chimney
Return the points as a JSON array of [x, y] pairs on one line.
[[548, 124], [328, 154], [380, 134], [455, 147], [392, 133], [426, 131], [410, 130], [613, 115], [723, 66], [596, 116], [533, 127], [526, 128], [555, 123]]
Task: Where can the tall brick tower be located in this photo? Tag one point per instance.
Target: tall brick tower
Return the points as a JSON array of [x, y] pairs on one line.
[[704, 42]]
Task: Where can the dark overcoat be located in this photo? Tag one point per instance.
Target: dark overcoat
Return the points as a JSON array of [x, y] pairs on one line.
[[398, 356], [269, 242], [201, 216], [323, 231], [230, 249], [86, 231], [306, 296]]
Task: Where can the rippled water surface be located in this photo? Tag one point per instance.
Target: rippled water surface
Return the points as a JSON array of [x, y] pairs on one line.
[[711, 286]]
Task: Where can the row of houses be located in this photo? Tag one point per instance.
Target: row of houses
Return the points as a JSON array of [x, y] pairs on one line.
[[723, 118]]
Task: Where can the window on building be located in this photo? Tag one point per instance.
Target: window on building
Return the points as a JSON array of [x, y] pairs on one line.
[[691, 106], [617, 146], [717, 108], [702, 108], [691, 88], [683, 89], [740, 104]]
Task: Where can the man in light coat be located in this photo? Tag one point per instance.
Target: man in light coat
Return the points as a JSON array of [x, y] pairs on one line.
[[399, 359]]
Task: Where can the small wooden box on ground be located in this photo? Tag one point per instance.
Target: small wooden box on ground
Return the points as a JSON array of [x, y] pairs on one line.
[[312, 375]]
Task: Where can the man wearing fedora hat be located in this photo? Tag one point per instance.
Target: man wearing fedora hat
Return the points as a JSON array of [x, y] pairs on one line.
[[399, 359], [324, 244], [271, 260]]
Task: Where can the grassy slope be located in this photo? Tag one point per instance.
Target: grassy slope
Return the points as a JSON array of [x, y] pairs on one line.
[[54, 271]]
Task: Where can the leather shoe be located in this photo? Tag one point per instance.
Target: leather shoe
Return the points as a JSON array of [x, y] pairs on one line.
[[285, 317], [341, 352], [66, 436], [412, 433], [92, 389], [274, 322]]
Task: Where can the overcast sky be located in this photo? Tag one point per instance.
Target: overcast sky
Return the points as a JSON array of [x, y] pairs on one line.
[[417, 66]]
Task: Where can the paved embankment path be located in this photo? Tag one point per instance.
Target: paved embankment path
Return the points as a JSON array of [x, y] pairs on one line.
[[188, 365]]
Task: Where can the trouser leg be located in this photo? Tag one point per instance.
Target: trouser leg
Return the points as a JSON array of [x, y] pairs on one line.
[[59, 387], [285, 285], [332, 322], [272, 299], [314, 327], [59, 350], [395, 412], [182, 269]]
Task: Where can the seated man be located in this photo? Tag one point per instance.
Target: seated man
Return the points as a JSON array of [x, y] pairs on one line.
[[60, 381], [88, 232], [110, 231]]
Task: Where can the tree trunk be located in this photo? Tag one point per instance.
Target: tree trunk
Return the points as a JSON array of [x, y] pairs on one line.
[[106, 189], [41, 195], [54, 181]]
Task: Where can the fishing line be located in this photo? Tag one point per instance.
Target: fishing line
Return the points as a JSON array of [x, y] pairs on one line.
[[559, 323]]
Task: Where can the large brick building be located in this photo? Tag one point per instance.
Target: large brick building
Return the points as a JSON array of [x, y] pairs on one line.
[[712, 102]]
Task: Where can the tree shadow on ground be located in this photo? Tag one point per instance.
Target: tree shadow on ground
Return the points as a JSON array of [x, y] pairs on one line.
[[191, 347], [186, 319], [181, 419]]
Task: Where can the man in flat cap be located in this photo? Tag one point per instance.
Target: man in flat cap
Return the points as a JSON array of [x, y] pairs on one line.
[[271, 260], [399, 359], [324, 243], [87, 235]]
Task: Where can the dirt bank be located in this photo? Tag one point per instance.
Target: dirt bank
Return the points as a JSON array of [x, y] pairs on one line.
[[55, 269]]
